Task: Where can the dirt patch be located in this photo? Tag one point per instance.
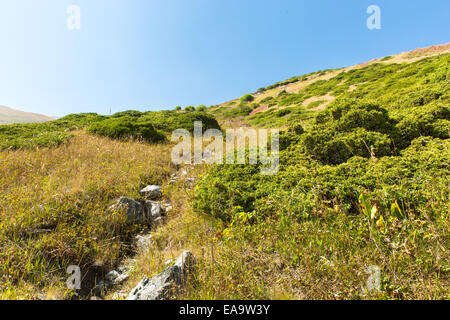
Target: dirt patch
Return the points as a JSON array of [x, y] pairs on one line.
[[261, 108], [328, 98]]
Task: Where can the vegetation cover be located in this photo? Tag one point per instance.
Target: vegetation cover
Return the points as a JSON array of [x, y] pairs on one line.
[[359, 182], [147, 126], [363, 181]]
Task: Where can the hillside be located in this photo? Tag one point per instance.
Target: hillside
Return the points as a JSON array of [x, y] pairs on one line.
[[302, 96], [8, 116], [363, 184]]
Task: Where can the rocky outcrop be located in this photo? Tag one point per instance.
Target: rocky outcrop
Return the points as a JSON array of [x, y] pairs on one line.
[[114, 277], [151, 192], [134, 210], [143, 241], [170, 281], [149, 213]]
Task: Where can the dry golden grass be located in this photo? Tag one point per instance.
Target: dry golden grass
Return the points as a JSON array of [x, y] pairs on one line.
[[54, 209]]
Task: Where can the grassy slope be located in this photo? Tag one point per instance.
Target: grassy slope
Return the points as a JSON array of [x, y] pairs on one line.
[[312, 231], [53, 209], [304, 95], [272, 251]]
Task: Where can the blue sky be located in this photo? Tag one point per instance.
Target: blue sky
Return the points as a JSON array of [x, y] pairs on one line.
[[152, 55]]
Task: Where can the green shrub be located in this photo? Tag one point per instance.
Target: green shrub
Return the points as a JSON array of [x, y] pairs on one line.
[[247, 98], [168, 121], [331, 148], [425, 121], [129, 113], [127, 128]]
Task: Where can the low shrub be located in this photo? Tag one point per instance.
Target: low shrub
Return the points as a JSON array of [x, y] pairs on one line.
[[127, 128], [247, 98]]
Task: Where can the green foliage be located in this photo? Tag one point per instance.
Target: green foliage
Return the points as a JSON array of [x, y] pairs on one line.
[[149, 126], [387, 138], [189, 109], [127, 128], [433, 120], [129, 113], [247, 98], [168, 121]]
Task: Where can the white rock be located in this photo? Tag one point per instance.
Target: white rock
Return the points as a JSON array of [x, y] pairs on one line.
[[169, 281], [151, 192]]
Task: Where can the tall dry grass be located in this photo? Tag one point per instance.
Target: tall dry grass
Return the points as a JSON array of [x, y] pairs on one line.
[[54, 209]]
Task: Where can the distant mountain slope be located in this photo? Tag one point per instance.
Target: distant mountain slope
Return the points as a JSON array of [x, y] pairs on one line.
[[8, 116], [305, 95]]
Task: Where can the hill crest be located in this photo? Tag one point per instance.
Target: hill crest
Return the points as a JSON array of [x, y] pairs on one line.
[[10, 116]]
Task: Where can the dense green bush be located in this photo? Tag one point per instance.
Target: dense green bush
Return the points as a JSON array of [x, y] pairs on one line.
[[433, 120], [149, 126], [76, 121], [127, 128], [247, 98], [386, 139], [168, 121], [330, 147], [304, 185], [129, 113]]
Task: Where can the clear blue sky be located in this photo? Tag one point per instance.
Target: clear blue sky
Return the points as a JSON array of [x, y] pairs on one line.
[[157, 54]]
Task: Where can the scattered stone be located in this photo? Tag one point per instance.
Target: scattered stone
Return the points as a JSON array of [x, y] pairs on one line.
[[168, 282], [168, 262], [190, 180], [112, 276], [151, 192], [154, 209], [143, 241], [122, 278], [134, 210], [167, 207]]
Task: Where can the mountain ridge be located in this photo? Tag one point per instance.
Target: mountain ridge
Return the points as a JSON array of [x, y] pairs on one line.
[[9, 116]]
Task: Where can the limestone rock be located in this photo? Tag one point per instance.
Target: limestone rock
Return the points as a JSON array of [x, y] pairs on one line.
[[151, 192], [168, 282]]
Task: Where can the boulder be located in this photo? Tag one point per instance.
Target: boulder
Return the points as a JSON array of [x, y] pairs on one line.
[[113, 278], [167, 207], [168, 282], [134, 210], [151, 192], [147, 214], [143, 241], [154, 209]]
